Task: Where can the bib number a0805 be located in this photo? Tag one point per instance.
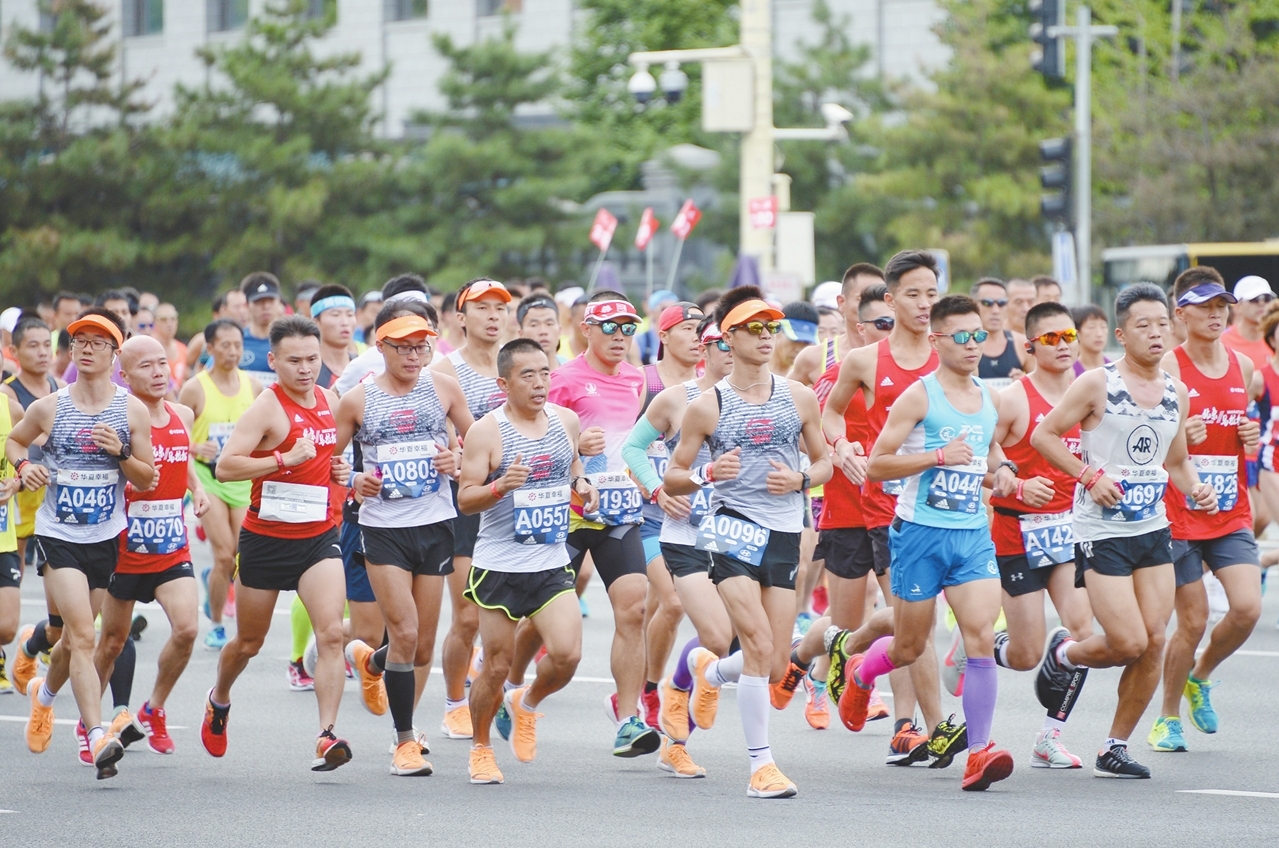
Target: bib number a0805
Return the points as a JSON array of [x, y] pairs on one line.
[[408, 470], [958, 488], [1222, 473], [1048, 539], [734, 537], [156, 527], [86, 497], [541, 516], [620, 500]]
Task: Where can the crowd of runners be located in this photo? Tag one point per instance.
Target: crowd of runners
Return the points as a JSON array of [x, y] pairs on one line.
[[802, 481]]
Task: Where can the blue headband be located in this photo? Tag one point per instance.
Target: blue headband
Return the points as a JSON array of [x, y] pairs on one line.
[[337, 301]]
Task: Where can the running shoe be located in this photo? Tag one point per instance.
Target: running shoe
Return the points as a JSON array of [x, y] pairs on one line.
[[82, 741], [539, 656], [821, 600], [1202, 715], [1052, 680], [524, 734], [299, 680], [153, 724], [418, 736], [855, 698], [816, 707], [502, 721], [610, 710], [834, 639], [311, 657], [909, 745], [803, 621], [635, 739], [6, 688], [106, 754], [1166, 735], [40, 722], [781, 692], [408, 760], [1115, 762], [216, 640], [135, 629], [652, 704], [1049, 753], [213, 728], [457, 723], [122, 728], [948, 740], [986, 766], [484, 768], [704, 699], [876, 709], [372, 686], [954, 665], [330, 751], [674, 758], [24, 667], [672, 714], [769, 782]]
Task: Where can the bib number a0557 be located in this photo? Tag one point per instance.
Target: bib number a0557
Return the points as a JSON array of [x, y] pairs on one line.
[[734, 537], [1222, 473], [408, 470], [156, 527], [958, 488], [1048, 539], [541, 516], [86, 497], [620, 500], [1143, 493]]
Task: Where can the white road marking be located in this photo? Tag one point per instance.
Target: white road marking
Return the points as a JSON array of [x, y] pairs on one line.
[[1232, 792], [1243, 653], [67, 721]]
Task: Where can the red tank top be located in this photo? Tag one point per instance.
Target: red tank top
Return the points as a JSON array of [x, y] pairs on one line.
[[842, 505], [1222, 403], [1006, 528], [318, 425], [890, 381], [155, 538], [1271, 434]]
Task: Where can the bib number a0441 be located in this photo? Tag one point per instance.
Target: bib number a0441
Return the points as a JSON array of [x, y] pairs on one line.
[[1143, 493], [958, 488], [1048, 539], [408, 470], [620, 500], [1222, 473], [156, 527], [86, 497], [734, 537], [541, 516]]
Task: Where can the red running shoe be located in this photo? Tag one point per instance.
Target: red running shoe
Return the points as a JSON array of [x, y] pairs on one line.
[[153, 724], [854, 700], [985, 767], [651, 703], [213, 728]]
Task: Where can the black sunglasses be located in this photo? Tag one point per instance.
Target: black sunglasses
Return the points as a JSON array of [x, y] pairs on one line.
[[883, 324]]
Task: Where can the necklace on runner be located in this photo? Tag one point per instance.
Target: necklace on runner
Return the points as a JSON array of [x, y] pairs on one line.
[[747, 388]]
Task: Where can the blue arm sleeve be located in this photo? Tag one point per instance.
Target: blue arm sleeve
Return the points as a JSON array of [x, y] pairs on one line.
[[635, 453]]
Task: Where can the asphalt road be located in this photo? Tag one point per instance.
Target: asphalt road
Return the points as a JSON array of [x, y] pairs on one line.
[[577, 793]]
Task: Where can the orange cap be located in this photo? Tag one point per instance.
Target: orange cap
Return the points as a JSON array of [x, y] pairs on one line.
[[96, 322], [405, 326], [480, 288], [743, 312]]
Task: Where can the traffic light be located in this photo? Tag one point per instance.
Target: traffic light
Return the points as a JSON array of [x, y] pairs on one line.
[[1049, 58], [1055, 177]]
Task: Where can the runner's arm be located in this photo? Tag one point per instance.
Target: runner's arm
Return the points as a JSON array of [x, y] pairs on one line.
[[139, 468], [481, 456], [805, 365], [820, 467], [350, 414], [459, 413], [1077, 406], [1180, 469], [851, 379], [699, 422], [635, 454], [906, 413]]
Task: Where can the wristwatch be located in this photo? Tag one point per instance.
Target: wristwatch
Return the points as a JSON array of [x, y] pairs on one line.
[[125, 452], [1009, 464], [806, 484]]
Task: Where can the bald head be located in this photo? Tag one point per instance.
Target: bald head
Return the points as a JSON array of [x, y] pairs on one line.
[[138, 347], [145, 367]]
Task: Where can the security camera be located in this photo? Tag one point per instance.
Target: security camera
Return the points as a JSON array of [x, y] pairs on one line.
[[642, 85], [835, 114], [674, 82]]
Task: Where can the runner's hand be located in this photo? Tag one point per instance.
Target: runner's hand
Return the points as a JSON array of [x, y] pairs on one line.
[[852, 461], [1205, 497], [1249, 434], [728, 466], [302, 450], [781, 480], [446, 463], [368, 485], [207, 451], [1106, 492], [1004, 484], [958, 451], [8, 487], [339, 470], [199, 501], [1196, 430], [34, 476], [591, 500], [676, 506], [591, 442], [106, 438], [516, 475], [1037, 491]]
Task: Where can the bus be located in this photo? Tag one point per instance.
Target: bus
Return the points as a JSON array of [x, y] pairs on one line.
[[1161, 263]]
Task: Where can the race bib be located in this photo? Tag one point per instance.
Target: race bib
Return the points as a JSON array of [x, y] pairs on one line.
[[1222, 473], [1048, 539], [4, 517], [734, 537], [85, 497], [699, 505], [1143, 493], [893, 488], [218, 434], [659, 458], [620, 500], [408, 470], [293, 503], [958, 488], [996, 384], [156, 527], [541, 516]]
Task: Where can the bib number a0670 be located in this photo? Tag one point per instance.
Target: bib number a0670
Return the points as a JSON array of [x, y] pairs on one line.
[[958, 488], [1048, 539], [1143, 493], [1222, 473], [734, 537], [156, 527], [541, 515], [86, 497], [620, 500], [408, 470]]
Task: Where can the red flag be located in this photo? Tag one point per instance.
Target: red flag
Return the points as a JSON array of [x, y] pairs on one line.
[[602, 229], [763, 212], [686, 220], [647, 227]]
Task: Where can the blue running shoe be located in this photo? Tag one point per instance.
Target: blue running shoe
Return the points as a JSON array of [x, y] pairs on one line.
[[804, 621], [204, 581], [1166, 735], [217, 638], [635, 739], [581, 604], [1202, 715], [502, 721]]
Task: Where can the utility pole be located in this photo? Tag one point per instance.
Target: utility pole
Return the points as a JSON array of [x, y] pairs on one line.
[[756, 176]]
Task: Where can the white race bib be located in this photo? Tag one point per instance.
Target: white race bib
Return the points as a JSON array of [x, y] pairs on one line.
[[620, 500], [86, 497], [293, 503], [1222, 473], [408, 469]]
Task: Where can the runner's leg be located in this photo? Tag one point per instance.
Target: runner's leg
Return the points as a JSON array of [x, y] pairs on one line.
[[1242, 583], [180, 600], [322, 589], [253, 611]]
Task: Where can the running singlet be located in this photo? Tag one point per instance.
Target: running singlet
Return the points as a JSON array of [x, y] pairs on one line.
[[948, 496], [610, 402], [1222, 403], [156, 537], [84, 502], [217, 419], [677, 531], [526, 530], [482, 394], [294, 503], [1270, 414], [879, 500], [842, 507], [254, 358], [1131, 443], [8, 511], [995, 371], [399, 437], [25, 398], [1042, 533]]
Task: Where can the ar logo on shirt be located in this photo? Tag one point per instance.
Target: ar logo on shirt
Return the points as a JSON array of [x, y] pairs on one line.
[[1143, 444]]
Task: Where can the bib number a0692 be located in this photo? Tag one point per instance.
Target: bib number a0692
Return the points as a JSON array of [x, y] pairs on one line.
[[1143, 493], [541, 515], [156, 527], [86, 497], [1048, 539], [408, 470], [734, 537], [1222, 473], [620, 500], [958, 488]]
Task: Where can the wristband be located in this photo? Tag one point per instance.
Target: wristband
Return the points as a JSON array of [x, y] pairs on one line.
[[653, 497], [1019, 486], [493, 489], [835, 444], [279, 460], [1082, 472], [17, 469], [941, 457], [1101, 472], [709, 472]]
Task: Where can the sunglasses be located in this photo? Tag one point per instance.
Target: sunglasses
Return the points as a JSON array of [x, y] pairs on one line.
[[1263, 298], [1052, 339], [964, 336], [722, 345], [883, 324], [757, 327], [146, 326], [608, 328], [988, 302]]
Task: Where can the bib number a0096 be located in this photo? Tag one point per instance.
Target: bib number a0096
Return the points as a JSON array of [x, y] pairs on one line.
[[156, 527], [408, 470], [293, 503], [1222, 473], [732, 536], [958, 488], [541, 515], [620, 500], [1048, 539], [1143, 493], [86, 497]]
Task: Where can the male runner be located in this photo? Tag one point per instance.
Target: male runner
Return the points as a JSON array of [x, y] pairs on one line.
[[10, 559], [1131, 415], [166, 330], [154, 558], [539, 318], [1219, 434], [219, 396], [939, 437], [1245, 336], [94, 433], [1003, 356], [333, 309], [481, 307], [230, 305], [403, 287], [399, 418], [262, 291], [815, 360], [1047, 290], [289, 542], [1021, 296], [752, 422], [520, 467]]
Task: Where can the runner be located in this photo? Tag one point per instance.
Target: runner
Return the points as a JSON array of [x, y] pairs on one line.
[[539, 319], [154, 558], [1131, 414], [219, 396], [1003, 356], [262, 291], [399, 420], [333, 309], [94, 433], [289, 542], [1031, 527], [519, 466], [10, 559], [481, 307], [1245, 336], [166, 331], [799, 332], [815, 360], [230, 305], [752, 423], [1219, 434], [1047, 290], [1021, 296], [405, 287]]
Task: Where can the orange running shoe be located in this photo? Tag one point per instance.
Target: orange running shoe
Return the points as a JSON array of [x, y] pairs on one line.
[[769, 782], [854, 700], [987, 766], [704, 702], [781, 692], [484, 768], [909, 745], [372, 686], [816, 704], [40, 722], [675, 759], [457, 723], [106, 754], [24, 667], [408, 760], [672, 713], [523, 725], [876, 709]]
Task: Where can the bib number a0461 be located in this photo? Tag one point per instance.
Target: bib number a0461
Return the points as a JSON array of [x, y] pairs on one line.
[[1222, 473], [86, 497], [620, 500], [541, 516], [734, 537], [1143, 493], [408, 470], [958, 488], [1048, 539], [156, 527], [293, 503]]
